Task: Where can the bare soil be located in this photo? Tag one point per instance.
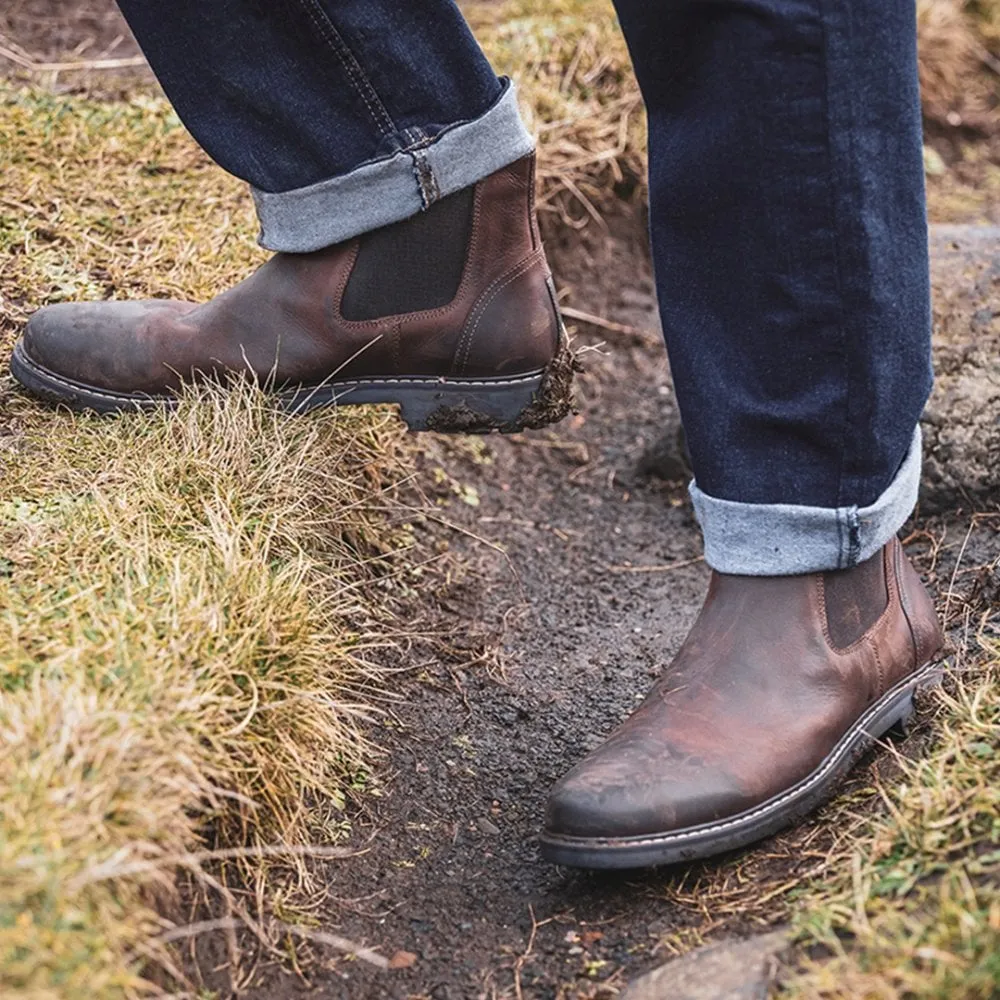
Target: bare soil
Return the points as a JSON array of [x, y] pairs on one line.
[[64, 31]]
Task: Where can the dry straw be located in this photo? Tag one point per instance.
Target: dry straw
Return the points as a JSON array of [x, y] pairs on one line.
[[192, 606]]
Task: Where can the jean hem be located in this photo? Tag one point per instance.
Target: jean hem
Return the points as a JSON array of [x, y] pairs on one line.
[[747, 539], [396, 187]]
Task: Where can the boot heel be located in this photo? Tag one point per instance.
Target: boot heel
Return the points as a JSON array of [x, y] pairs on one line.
[[457, 406], [930, 678], [477, 406]]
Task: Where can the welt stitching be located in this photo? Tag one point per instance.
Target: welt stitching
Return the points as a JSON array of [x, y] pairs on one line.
[[349, 61], [140, 398], [506, 280], [831, 761], [497, 286], [879, 670]]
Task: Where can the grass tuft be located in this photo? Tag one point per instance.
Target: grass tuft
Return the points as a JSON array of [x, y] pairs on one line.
[[911, 908], [189, 604]]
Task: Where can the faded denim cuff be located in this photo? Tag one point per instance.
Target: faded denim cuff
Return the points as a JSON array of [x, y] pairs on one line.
[[388, 190], [749, 539]]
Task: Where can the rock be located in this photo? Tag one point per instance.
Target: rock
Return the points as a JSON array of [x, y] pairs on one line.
[[740, 969], [961, 423]]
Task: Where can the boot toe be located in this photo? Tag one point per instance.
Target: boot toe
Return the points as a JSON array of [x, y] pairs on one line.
[[91, 342], [582, 805]]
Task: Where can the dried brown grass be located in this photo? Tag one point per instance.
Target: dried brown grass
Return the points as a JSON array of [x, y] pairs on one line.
[[192, 607], [580, 97], [960, 63], [907, 905]]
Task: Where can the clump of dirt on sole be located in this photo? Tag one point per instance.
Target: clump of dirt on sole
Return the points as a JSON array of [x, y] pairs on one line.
[[553, 402]]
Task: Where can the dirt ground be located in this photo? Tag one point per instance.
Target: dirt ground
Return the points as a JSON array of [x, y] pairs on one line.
[[581, 577]]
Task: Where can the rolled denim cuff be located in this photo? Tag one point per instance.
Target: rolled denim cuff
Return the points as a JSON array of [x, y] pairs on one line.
[[388, 190], [749, 539]]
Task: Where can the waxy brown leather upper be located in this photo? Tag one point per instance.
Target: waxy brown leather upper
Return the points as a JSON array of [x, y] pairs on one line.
[[756, 698], [285, 323]]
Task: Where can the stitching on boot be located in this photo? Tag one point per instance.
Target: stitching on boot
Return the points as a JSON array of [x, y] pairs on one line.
[[909, 613], [148, 397], [477, 314], [839, 750]]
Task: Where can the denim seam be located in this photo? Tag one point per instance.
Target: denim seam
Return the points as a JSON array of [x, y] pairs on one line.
[[855, 191], [396, 186], [776, 539], [359, 79], [853, 537], [427, 183], [837, 254]]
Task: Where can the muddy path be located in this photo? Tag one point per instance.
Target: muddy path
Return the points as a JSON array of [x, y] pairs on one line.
[[598, 581]]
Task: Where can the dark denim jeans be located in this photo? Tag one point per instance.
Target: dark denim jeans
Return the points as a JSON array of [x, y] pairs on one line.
[[787, 207]]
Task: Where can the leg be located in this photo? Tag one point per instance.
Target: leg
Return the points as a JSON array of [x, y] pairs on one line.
[[392, 172], [323, 104], [790, 246], [789, 232]]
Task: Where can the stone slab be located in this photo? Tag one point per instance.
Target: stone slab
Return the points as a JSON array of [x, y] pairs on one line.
[[739, 969]]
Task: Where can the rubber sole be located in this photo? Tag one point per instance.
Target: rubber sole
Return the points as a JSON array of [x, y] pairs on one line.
[[894, 709], [469, 406]]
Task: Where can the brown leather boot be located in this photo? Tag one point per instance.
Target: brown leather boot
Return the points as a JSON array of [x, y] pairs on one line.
[[450, 314], [782, 683]]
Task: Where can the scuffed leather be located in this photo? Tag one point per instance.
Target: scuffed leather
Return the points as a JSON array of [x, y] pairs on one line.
[[756, 698], [284, 323]]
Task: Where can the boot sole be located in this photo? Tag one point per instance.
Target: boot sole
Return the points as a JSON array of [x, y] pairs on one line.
[[893, 709], [426, 403]]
